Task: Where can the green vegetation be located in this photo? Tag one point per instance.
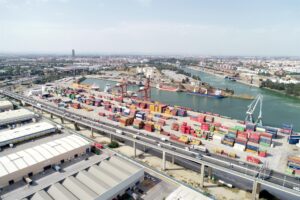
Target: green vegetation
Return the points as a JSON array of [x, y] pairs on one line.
[[289, 89], [113, 144]]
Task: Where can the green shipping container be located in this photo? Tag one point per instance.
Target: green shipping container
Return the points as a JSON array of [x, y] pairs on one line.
[[289, 171], [263, 144], [240, 128]]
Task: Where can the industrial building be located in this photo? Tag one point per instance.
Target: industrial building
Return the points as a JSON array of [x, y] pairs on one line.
[[14, 167], [6, 105], [16, 116], [106, 179], [25, 133], [186, 193]]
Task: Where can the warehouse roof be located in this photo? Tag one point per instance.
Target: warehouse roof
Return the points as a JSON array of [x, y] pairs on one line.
[[24, 131], [5, 104], [185, 193], [28, 157], [11, 115], [90, 183]]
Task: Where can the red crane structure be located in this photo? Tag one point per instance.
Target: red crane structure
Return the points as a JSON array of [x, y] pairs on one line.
[[145, 91], [122, 88]]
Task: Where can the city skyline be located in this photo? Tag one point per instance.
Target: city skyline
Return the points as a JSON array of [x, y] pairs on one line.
[[256, 28]]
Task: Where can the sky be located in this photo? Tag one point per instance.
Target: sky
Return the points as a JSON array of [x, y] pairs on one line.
[[181, 27]]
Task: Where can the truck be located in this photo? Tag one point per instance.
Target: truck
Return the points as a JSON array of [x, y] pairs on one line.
[[199, 148]]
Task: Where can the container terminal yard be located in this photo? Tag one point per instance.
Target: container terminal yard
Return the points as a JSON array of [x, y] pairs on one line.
[[39, 159], [203, 136]]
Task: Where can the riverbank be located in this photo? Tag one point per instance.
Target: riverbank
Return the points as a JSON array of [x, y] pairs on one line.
[[281, 92], [211, 72]]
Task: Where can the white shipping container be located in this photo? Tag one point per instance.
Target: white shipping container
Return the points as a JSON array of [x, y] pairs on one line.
[[217, 137], [239, 147], [260, 129], [223, 129]]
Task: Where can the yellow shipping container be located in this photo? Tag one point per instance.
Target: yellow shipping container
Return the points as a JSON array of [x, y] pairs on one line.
[[132, 107], [232, 155], [157, 126], [184, 138], [217, 150], [250, 151], [152, 107], [196, 142]]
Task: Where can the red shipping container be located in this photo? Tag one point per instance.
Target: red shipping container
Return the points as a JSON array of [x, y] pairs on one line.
[[217, 124], [267, 135], [262, 154], [252, 159]]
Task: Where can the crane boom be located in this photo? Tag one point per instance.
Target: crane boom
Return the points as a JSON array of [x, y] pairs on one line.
[[251, 108]]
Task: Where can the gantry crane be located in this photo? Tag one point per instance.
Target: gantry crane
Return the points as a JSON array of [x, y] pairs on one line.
[[251, 108], [122, 86], [145, 91]]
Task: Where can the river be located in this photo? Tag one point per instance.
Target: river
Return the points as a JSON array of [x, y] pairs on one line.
[[277, 108]]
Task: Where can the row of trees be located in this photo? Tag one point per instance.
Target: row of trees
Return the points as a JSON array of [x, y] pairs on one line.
[[290, 89]]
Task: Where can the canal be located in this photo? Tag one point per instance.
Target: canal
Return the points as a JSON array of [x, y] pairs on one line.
[[277, 108]]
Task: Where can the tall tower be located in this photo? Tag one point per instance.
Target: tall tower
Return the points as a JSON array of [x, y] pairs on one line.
[[73, 52]]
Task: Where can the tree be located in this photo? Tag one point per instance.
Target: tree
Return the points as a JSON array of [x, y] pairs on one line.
[[113, 144]]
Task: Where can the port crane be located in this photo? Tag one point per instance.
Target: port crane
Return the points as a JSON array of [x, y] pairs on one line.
[[251, 108], [122, 87], [145, 91]]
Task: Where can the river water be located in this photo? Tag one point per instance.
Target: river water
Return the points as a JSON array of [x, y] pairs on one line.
[[277, 108]]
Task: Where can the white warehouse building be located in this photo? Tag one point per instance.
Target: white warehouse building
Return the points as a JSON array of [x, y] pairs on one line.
[[16, 116], [6, 105], [104, 181], [25, 133], [14, 167]]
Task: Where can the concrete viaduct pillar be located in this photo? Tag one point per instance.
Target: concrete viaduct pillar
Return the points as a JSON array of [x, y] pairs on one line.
[[92, 133], [209, 172], [62, 120], [134, 149], [76, 126], [255, 190], [202, 172], [163, 160], [51, 115]]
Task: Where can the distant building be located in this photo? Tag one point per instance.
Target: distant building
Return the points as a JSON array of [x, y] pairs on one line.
[[73, 52]]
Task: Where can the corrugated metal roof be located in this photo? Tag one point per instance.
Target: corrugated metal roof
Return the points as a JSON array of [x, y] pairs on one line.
[[109, 172], [127, 166], [96, 171], [185, 193], [41, 195], [25, 131], [80, 190], [125, 169], [92, 182], [5, 104], [98, 181], [19, 160], [15, 115], [57, 191], [121, 174]]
